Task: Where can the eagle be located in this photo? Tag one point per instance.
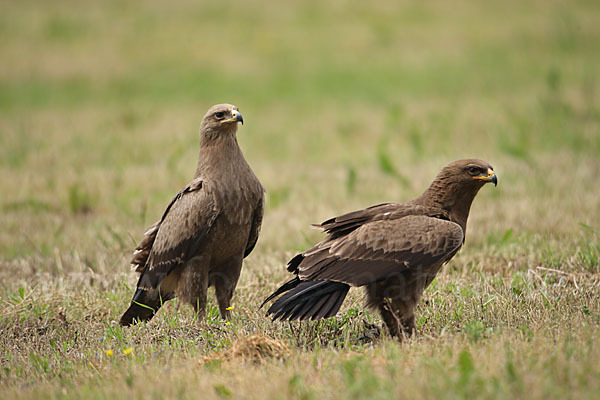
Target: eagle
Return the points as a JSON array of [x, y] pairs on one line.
[[393, 250], [206, 231]]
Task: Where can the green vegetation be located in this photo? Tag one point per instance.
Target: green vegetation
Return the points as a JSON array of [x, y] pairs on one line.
[[346, 104]]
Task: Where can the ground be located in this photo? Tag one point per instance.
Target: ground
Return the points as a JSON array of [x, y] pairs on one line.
[[346, 104]]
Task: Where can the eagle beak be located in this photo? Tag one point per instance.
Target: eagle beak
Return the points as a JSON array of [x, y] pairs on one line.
[[491, 177], [236, 116], [494, 179]]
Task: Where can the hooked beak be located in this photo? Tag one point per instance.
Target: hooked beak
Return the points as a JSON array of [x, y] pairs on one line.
[[491, 177], [236, 116]]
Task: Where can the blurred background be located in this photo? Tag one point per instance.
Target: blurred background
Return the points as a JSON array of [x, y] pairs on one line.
[[346, 103]]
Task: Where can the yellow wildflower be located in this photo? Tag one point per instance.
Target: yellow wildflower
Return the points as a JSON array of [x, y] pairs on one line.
[[128, 351], [108, 352], [227, 322]]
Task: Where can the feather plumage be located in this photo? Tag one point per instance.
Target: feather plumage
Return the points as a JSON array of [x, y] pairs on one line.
[[207, 228], [393, 250]]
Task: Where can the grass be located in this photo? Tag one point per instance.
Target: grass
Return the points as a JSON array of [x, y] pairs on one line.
[[347, 105]]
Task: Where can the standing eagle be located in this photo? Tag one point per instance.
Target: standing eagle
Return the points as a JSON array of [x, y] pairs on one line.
[[206, 230], [393, 250]]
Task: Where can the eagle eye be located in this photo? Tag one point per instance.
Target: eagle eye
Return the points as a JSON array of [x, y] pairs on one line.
[[219, 115], [473, 170]]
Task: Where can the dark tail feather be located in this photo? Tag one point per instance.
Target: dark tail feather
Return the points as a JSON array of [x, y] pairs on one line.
[[143, 307], [309, 300], [334, 302], [284, 288]]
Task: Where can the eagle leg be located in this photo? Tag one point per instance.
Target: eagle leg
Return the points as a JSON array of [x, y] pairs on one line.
[[225, 282], [193, 285], [400, 326]]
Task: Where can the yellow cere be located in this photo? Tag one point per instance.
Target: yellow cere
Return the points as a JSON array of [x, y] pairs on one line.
[[230, 308]]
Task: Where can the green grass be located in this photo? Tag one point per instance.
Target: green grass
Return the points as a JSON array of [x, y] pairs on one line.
[[346, 104]]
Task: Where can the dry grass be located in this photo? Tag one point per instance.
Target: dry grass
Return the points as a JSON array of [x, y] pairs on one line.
[[255, 349], [347, 105]]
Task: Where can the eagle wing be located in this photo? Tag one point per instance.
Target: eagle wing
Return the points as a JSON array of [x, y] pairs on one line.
[[177, 236], [380, 249], [257, 218]]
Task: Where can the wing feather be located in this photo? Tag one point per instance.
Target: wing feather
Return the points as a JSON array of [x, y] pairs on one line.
[[255, 228], [142, 251], [380, 249], [178, 235]]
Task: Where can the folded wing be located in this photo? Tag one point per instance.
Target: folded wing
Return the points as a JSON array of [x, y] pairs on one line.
[[380, 249], [177, 236]]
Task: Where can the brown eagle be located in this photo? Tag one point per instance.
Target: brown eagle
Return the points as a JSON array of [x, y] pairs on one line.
[[209, 227], [393, 250]]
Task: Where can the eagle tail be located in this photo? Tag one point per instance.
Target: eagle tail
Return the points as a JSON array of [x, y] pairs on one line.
[[144, 305], [308, 300], [284, 288]]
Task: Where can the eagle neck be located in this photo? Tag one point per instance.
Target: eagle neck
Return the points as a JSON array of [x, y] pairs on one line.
[[219, 155], [455, 199]]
